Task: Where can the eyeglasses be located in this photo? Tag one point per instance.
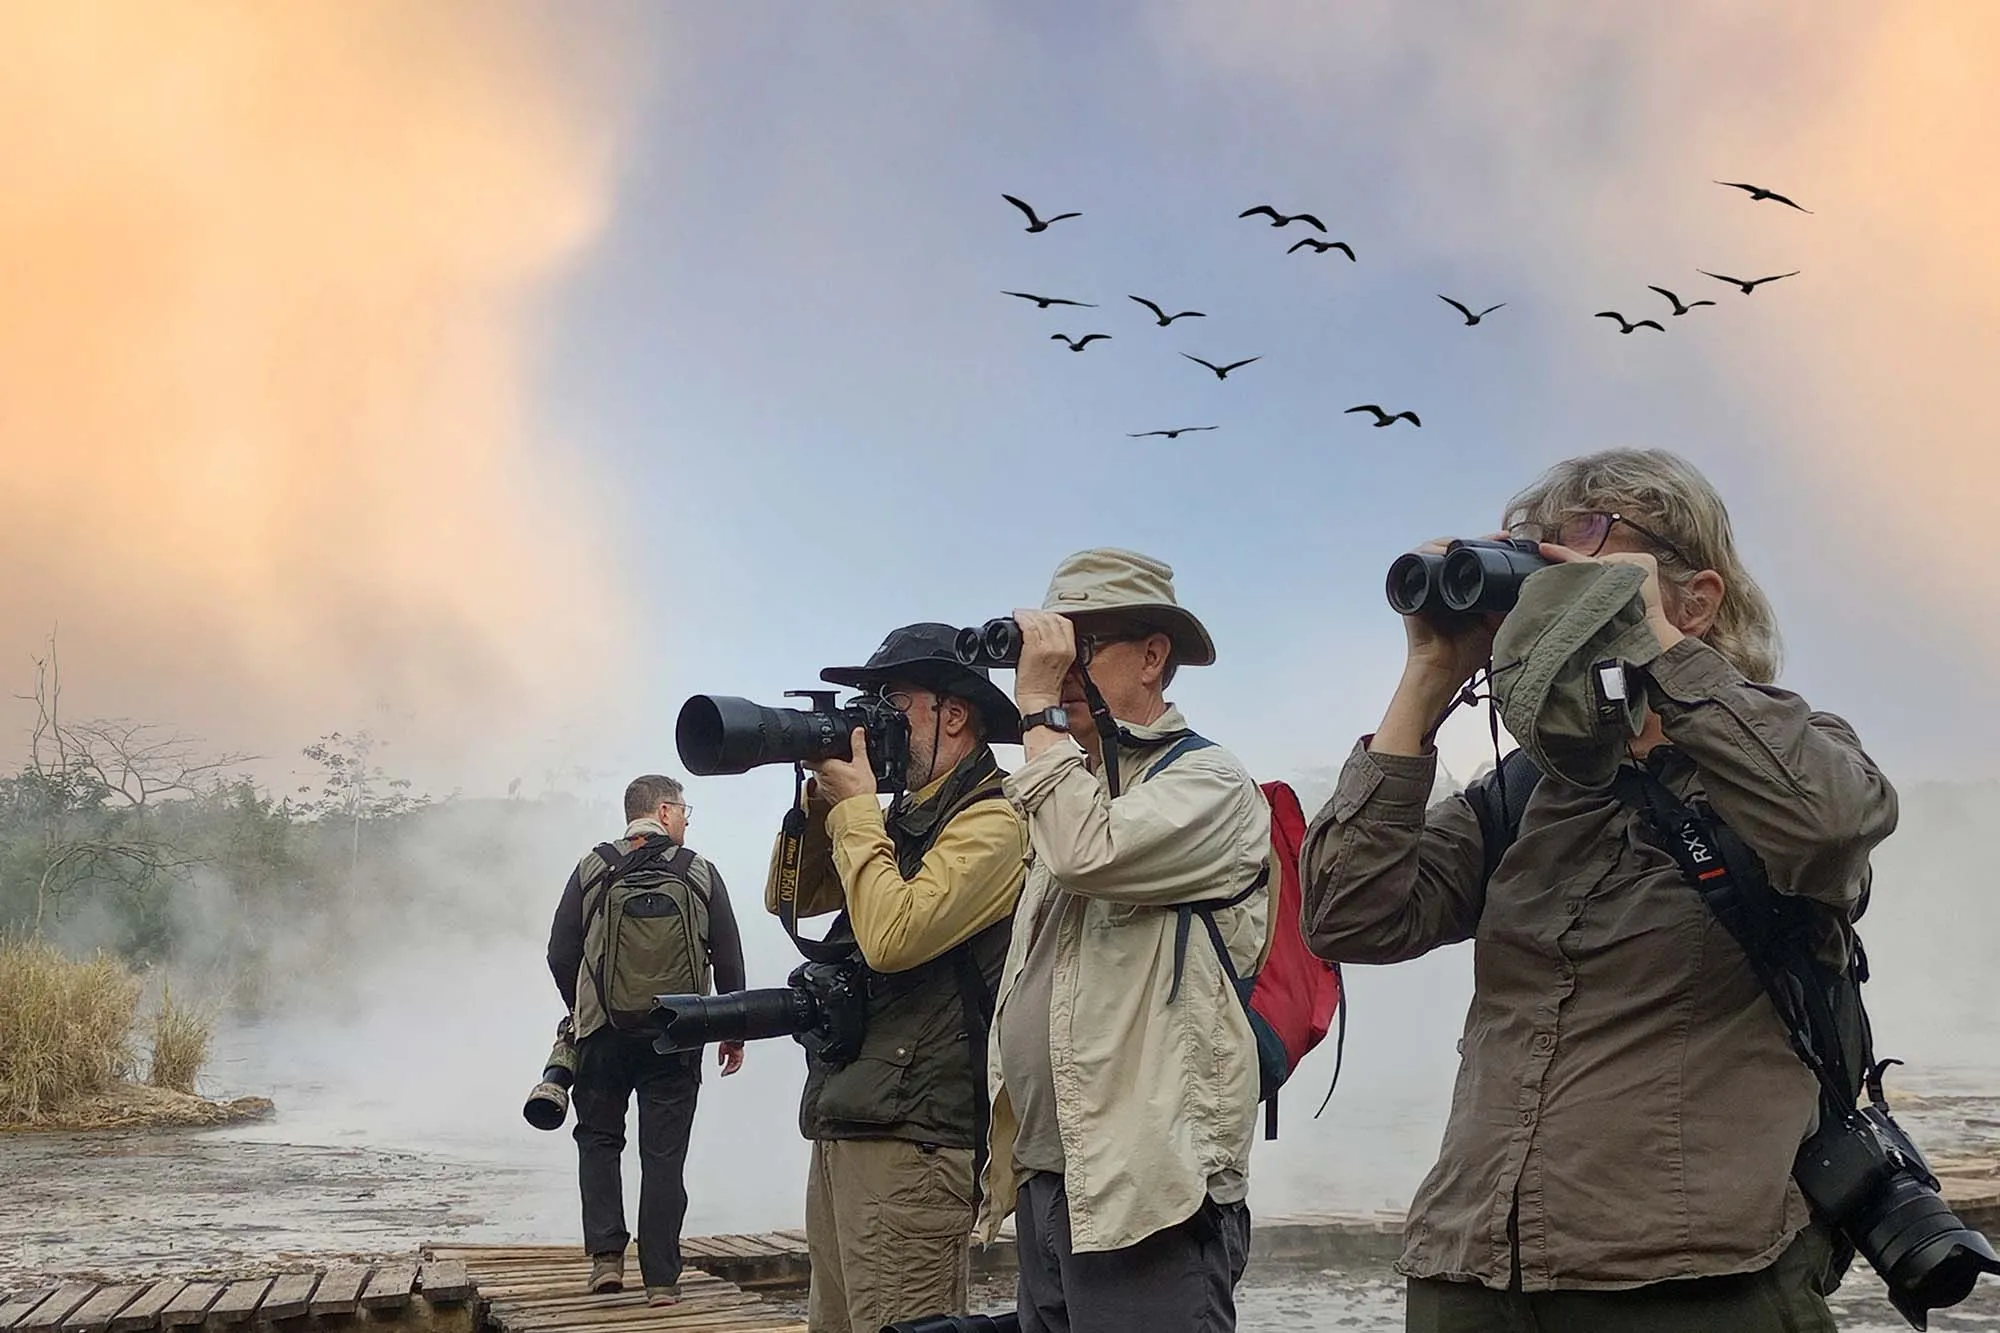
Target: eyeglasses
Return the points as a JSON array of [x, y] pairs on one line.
[[1588, 530], [900, 700], [687, 811]]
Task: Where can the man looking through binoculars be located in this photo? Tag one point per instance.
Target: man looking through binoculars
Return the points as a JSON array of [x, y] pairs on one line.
[[925, 892]]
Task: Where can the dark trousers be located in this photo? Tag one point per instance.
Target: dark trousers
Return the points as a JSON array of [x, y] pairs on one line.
[[610, 1067], [1180, 1280], [1783, 1298]]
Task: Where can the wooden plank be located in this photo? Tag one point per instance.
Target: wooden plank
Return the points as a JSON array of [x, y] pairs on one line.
[[239, 1300], [190, 1304], [389, 1289], [142, 1312], [289, 1296], [22, 1304], [48, 1316], [446, 1281], [94, 1315], [339, 1292]]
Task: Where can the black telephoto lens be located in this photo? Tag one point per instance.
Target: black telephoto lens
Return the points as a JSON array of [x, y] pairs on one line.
[[689, 1022], [719, 733], [1412, 579]]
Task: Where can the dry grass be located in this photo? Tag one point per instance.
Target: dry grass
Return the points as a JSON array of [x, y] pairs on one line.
[[180, 1036], [65, 1028]]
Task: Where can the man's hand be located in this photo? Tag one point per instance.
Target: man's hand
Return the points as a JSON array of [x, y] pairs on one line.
[[1048, 650], [729, 1055], [841, 778]]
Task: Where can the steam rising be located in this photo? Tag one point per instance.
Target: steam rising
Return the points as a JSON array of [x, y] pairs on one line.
[[264, 364]]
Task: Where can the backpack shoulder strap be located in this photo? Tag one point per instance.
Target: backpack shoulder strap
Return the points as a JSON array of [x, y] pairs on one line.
[[1499, 799], [1186, 743]]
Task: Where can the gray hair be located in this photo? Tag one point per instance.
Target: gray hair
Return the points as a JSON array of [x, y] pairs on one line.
[[1670, 497], [646, 794]]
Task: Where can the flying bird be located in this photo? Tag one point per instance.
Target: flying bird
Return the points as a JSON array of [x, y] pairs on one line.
[[1757, 192], [1078, 344], [1625, 325], [1161, 315], [1680, 307], [1321, 247], [1222, 372], [1044, 302], [1279, 219], [1470, 318], [1383, 418], [1173, 434], [1035, 223], [1749, 286]]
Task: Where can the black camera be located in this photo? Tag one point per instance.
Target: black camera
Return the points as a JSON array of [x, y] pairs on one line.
[[997, 643], [1865, 1177], [719, 733], [1471, 577], [824, 1006]]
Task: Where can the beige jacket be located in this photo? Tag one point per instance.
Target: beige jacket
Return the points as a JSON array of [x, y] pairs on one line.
[[1156, 1102]]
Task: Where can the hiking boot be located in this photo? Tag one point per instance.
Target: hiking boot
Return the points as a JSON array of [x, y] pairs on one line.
[[607, 1273], [667, 1295]]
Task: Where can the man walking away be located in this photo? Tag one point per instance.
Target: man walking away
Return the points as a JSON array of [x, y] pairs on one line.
[[640, 917]]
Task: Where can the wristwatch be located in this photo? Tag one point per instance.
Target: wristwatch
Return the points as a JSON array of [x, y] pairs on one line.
[[1055, 719]]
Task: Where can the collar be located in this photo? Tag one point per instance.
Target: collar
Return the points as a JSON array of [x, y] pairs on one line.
[[916, 812], [1166, 727], [647, 827]]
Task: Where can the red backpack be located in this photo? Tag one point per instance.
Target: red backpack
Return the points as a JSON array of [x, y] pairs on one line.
[[1295, 998]]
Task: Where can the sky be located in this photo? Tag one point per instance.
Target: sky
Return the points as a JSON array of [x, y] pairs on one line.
[[494, 376]]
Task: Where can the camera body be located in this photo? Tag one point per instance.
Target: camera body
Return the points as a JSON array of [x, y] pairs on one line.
[[725, 734], [1472, 577], [824, 1007], [1865, 1177]]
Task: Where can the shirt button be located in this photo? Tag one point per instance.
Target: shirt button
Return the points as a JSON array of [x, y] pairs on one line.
[[1527, 1117], [1545, 1041]]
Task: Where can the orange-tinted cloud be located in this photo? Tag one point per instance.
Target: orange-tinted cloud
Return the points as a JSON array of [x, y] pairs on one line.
[[269, 279]]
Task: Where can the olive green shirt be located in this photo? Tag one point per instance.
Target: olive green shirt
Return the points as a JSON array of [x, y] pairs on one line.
[[1624, 1082]]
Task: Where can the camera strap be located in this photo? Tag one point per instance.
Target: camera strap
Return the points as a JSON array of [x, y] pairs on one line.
[[791, 858], [1767, 925]]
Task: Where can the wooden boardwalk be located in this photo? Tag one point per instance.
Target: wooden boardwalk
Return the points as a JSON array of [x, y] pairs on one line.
[[541, 1289], [436, 1297]]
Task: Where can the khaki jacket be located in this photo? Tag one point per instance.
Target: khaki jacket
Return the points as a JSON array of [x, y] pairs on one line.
[[1156, 1102], [1627, 1105]]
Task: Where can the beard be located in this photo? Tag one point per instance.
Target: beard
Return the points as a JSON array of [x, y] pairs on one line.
[[923, 758]]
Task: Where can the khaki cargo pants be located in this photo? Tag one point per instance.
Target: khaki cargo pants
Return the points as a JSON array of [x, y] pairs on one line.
[[888, 1225]]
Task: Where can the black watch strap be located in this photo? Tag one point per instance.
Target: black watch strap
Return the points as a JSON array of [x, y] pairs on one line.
[[1055, 719]]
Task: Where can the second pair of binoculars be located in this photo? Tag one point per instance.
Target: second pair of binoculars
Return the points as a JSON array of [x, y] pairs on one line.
[[1470, 577]]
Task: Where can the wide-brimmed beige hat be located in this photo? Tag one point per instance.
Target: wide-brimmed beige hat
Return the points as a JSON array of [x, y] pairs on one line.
[[1108, 581]]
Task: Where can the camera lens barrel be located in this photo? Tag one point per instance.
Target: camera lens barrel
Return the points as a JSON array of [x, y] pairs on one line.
[[1928, 1257], [719, 733], [689, 1022]]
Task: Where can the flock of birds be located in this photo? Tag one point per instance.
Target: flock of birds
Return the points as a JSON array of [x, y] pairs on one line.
[[1383, 417]]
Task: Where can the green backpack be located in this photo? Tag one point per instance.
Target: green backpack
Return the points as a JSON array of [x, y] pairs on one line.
[[645, 931]]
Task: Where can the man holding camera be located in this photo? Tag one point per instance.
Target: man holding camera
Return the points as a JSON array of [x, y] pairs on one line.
[[639, 917], [926, 892], [1125, 1069]]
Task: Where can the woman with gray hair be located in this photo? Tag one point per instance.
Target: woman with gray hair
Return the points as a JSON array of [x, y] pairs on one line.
[[1621, 1136]]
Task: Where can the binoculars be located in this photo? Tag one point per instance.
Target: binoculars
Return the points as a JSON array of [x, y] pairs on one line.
[[1470, 578]]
